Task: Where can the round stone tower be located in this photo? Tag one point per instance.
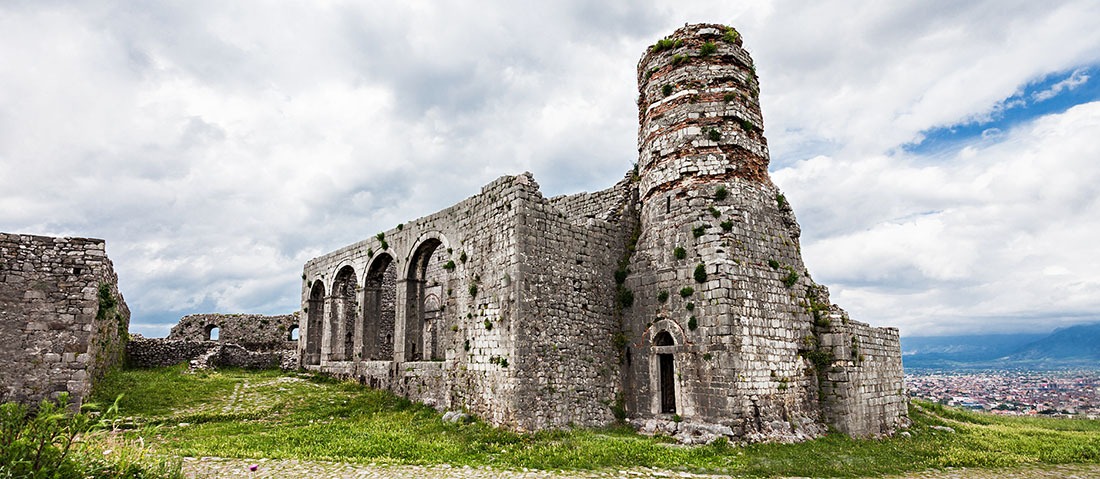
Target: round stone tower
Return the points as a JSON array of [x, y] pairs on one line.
[[699, 112], [721, 322]]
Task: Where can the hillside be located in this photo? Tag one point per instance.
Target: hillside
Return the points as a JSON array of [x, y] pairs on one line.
[[1065, 348]]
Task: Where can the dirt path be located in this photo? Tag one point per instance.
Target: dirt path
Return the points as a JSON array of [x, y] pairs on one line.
[[209, 467]]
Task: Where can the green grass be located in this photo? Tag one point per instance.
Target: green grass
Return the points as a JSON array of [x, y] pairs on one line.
[[275, 415]]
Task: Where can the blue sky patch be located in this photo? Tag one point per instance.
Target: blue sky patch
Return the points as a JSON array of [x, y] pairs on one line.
[[1055, 93]]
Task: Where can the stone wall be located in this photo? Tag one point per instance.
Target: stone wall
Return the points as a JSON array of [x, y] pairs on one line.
[[159, 352], [566, 361], [252, 331], [63, 322]]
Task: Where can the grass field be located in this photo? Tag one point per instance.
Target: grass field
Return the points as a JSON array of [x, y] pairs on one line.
[[285, 415]]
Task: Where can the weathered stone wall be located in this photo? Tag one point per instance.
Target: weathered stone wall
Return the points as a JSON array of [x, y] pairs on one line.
[[252, 331], [142, 352], [566, 361], [158, 352], [863, 393], [453, 297], [63, 322]]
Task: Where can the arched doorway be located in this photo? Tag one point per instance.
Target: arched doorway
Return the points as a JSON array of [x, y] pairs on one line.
[[315, 314], [345, 310], [379, 308], [426, 285], [666, 373]]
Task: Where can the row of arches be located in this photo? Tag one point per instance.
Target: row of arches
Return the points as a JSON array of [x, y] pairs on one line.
[[359, 322]]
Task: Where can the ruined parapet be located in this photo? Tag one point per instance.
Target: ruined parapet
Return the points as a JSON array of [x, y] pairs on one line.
[[717, 335], [252, 331], [63, 322]]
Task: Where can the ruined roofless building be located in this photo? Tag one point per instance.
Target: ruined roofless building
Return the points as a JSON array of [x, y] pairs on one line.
[[676, 299]]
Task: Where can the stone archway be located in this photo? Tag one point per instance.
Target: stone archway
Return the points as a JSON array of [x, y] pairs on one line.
[[426, 284], [379, 309], [315, 314], [343, 313]]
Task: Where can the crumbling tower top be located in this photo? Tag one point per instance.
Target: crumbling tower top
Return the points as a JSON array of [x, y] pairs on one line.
[[699, 111]]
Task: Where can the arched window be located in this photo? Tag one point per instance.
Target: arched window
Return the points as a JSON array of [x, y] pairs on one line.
[[211, 333], [292, 333], [663, 338]]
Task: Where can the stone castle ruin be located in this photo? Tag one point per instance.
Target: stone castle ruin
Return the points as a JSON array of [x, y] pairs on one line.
[[63, 322], [676, 299]]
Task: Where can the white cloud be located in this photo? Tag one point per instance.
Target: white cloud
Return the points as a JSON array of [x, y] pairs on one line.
[[1076, 79], [1005, 232]]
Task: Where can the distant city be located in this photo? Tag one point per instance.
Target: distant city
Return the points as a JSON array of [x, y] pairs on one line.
[[1024, 393]]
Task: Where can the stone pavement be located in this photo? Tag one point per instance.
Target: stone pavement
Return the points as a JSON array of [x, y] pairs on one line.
[[210, 467]]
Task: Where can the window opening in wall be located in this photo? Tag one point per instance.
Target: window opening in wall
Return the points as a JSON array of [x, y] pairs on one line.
[[668, 204], [212, 333], [77, 271], [293, 335]]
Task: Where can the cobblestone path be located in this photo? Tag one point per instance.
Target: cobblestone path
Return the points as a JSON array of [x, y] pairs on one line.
[[208, 467]]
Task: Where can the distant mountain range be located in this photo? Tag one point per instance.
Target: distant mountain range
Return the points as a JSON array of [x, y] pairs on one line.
[[1065, 348]]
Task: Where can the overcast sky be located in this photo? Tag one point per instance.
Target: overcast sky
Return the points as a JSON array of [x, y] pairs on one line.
[[943, 157]]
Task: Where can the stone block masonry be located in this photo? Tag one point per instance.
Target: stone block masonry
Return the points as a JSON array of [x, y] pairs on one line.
[[63, 321], [676, 299]]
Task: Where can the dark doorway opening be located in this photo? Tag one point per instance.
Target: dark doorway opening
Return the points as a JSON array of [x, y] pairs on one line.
[[668, 386]]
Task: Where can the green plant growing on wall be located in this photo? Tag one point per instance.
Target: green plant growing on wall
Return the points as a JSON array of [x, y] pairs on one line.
[[626, 298], [791, 278], [488, 325], [728, 97], [678, 59], [473, 290], [449, 265], [620, 275], [686, 291], [666, 44], [666, 90], [662, 296], [714, 135], [462, 257], [380, 236], [693, 323], [690, 306], [708, 48], [370, 252], [780, 200], [714, 212], [699, 231], [730, 35], [746, 125], [727, 226], [773, 263], [400, 226], [385, 246], [721, 193], [700, 273], [679, 253]]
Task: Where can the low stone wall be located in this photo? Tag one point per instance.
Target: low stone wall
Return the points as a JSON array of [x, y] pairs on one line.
[[158, 352]]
